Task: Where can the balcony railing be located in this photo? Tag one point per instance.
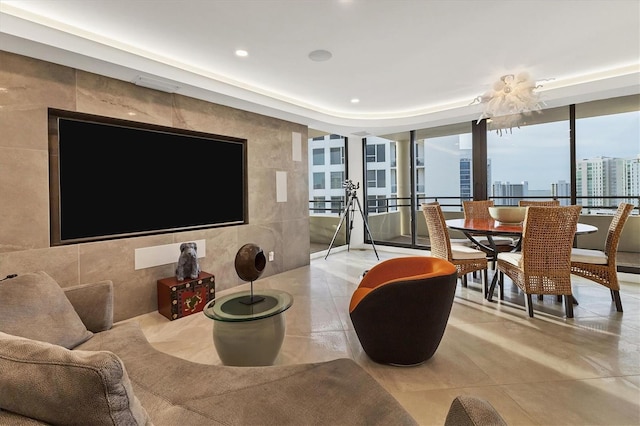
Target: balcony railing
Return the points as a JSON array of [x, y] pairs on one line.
[[386, 216], [453, 203]]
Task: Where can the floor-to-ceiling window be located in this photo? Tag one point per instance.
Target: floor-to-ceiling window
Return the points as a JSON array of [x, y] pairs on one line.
[[386, 162], [443, 165], [443, 170], [421, 166], [327, 172], [532, 161], [462, 161], [607, 154]]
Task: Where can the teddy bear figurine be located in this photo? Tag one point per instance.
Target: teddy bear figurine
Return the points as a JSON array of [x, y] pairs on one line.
[[188, 262]]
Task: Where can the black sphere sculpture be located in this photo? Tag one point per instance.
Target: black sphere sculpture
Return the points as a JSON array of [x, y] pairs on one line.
[[250, 263]]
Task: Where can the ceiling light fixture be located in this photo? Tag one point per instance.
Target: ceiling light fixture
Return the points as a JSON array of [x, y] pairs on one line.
[[242, 53], [511, 98], [355, 100], [320, 55]]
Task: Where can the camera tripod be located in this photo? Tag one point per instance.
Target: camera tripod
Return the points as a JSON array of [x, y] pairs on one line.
[[349, 212]]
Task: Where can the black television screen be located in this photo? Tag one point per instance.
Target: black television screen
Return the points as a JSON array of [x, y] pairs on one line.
[[115, 178]]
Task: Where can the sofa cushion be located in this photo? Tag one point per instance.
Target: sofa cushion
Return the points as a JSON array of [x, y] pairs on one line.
[[55, 385], [34, 306]]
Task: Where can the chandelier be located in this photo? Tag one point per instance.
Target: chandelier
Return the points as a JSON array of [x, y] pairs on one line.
[[511, 98]]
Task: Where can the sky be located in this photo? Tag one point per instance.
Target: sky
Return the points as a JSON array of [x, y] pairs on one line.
[[540, 154]]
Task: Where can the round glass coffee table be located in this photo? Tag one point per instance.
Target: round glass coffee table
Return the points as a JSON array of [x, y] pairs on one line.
[[249, 334]]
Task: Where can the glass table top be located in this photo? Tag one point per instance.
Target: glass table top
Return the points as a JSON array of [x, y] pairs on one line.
[[232, 309]]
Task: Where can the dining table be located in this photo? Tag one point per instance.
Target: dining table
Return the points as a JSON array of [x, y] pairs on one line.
[[489, 228]]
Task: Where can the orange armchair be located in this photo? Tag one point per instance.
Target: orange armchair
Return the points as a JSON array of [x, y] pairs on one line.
[[401, 307]]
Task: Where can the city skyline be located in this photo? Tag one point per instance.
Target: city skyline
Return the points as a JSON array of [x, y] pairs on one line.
[[547, 147]]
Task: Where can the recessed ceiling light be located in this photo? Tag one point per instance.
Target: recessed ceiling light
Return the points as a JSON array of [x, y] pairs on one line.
[[242, 53], [320, 55], [355, 100]]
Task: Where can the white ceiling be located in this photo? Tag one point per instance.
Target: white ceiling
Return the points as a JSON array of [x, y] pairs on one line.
[[412, 64]]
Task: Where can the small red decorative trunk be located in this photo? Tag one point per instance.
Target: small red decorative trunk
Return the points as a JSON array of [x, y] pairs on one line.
[[177, 299]]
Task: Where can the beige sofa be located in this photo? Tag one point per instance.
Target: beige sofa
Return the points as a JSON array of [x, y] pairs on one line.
[[63, 361]]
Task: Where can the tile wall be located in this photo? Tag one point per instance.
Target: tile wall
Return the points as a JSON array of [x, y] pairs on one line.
[[28, 87]]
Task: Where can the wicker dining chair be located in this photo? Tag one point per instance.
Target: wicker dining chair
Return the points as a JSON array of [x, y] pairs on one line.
[[539, 203], [466, 259], [544, 264], [479, 209], [600, 265]]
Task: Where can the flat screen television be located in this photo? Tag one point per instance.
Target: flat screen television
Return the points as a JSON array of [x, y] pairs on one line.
[[113, 178]]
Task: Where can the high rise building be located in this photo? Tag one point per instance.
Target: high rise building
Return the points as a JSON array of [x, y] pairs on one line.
[[509, 194], [466, 175], [466, 192], [631, 180], [326, 173], [562, 191], [601, 177]]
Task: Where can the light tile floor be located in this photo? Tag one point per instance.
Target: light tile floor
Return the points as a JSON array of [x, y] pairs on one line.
[[545, 370]]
